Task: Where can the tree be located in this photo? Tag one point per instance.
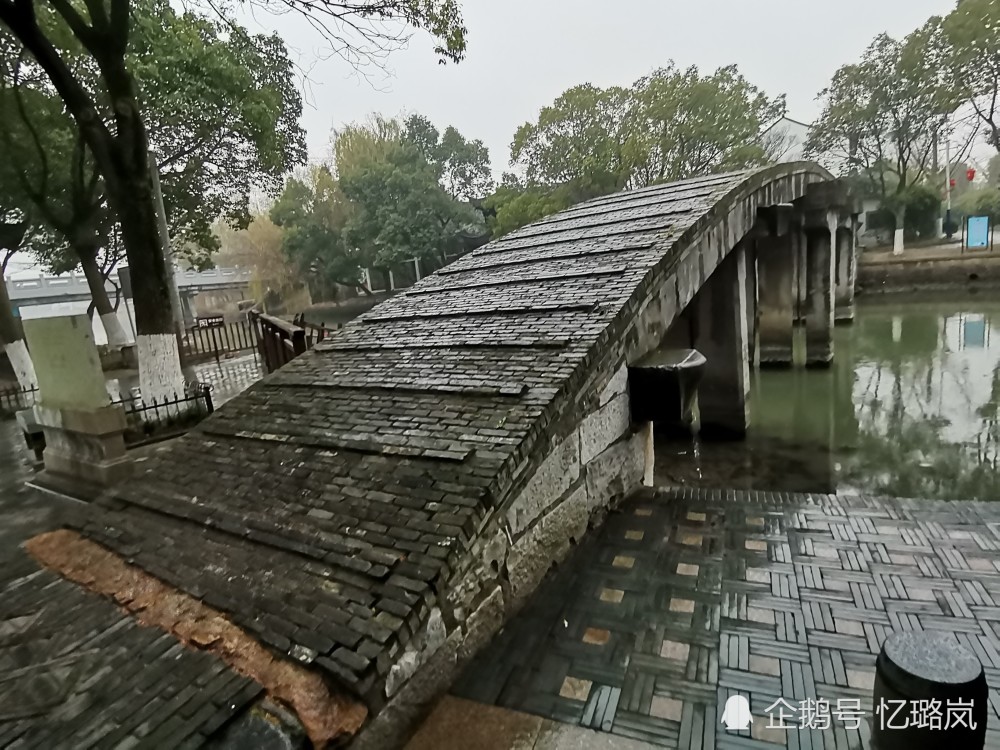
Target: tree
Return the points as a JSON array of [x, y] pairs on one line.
[[14, 228], [103, 28], [312, 212], [400, 211], [462, 166], [880, 118], [971, 36], [381, 202], [982, 202], [259, 247], [223, 114], [581, 137], [669, 125], [993, 172], [684, 124]]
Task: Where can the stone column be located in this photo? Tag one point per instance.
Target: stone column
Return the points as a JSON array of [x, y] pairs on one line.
[[83, 431], [720, 326], [846, 269], [777, 292], [752, 297], [820, 228]]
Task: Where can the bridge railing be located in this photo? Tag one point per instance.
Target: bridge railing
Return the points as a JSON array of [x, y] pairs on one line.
[[214, 336], [279, 342], [74, 284]]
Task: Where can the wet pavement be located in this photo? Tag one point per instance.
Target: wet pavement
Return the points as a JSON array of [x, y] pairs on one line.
[[686, 598], [25, 511]]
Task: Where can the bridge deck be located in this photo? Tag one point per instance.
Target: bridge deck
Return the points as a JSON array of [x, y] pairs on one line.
[[686, 597]]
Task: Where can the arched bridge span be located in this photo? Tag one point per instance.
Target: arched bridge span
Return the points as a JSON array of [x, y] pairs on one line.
[[377, 508]]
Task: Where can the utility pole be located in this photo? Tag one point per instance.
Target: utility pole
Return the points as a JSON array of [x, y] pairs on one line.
[[168, 258], [947, 188]]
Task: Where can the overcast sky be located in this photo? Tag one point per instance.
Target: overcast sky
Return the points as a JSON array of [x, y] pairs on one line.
[[523, 53]]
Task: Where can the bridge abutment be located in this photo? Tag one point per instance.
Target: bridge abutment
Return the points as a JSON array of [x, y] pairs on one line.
[[847, 268], [776, 251], [721, 334], [819, 273]]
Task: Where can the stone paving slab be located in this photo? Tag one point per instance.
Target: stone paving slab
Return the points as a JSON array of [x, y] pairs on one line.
[[685, 598], [76, 671], [457, 724]]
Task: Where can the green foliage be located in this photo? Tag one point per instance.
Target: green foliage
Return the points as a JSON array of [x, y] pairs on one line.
[[993, 172], [682, 124], [880, 114], [669, 125], [462, 166], [222, 112], [400, 209], [971, 60], [313, 211], [386, 200], [919, 206], [983, 202], [513, 205]]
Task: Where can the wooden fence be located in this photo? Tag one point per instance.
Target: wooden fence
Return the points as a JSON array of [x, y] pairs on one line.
[[279, 342], [212, 336]]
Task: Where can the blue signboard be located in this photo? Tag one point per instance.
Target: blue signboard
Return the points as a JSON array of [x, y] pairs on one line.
[[978, 234], [975, 332]]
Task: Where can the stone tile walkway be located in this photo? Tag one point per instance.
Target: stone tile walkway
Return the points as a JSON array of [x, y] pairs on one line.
[[687, 597], [75, 670]]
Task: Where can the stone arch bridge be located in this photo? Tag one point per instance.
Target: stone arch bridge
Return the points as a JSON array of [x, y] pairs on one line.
[[378, 508]]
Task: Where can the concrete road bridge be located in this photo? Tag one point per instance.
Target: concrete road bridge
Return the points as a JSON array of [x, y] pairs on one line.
[[376, 510], [72, 287]]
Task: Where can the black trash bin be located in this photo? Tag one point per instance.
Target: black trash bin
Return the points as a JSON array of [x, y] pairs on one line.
[[926, 666]]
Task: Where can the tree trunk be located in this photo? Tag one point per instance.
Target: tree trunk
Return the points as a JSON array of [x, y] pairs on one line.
[[122, 158], [898, 241], [102, 304], [12, 341]]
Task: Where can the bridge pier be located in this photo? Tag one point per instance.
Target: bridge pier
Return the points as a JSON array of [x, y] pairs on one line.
[[820, 228], [846, 268], [721, 334], [776, 251]]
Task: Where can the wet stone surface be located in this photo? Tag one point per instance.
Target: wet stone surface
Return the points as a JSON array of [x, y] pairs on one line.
[[685, 598], [75, 670]]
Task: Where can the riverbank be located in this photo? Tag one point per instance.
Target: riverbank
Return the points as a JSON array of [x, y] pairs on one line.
[[939, 267]]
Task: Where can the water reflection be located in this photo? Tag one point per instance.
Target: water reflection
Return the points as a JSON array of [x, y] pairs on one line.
[[909, 408]]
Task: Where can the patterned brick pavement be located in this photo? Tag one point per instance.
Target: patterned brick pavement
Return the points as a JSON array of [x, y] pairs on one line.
[[687, 597]]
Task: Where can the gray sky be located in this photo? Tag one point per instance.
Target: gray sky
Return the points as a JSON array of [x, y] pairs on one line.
[[523, 53]]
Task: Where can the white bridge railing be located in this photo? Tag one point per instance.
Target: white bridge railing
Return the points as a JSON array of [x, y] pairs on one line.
[[50, 286]]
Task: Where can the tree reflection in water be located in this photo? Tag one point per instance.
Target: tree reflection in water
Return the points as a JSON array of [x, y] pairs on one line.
[[911, 407]]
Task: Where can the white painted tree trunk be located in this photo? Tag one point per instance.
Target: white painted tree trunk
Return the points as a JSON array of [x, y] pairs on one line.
[[897, 245], [648, 455], [116, 335], [160, 375], [20, 360]]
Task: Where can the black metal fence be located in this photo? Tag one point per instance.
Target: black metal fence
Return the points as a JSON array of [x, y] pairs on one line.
[[148, 420], [15, 398], [212, 336]]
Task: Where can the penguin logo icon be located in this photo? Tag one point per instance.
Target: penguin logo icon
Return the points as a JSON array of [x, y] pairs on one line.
[[737, 716]]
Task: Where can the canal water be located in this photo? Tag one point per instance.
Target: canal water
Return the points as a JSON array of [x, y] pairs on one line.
[[908, 408]]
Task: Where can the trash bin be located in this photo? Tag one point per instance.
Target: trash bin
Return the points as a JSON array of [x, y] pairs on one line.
[[930, 692]]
